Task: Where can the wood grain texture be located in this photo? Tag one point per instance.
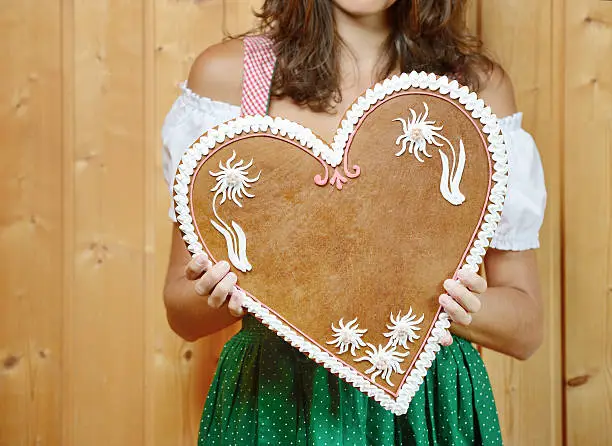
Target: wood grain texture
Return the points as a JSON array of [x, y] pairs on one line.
[[86, 356], [68, 131], [473, 16], [588, 222], [522, 36], [30, 224], [105, 308]]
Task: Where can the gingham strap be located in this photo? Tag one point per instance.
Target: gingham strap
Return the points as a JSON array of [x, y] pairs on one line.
[[259, 60]]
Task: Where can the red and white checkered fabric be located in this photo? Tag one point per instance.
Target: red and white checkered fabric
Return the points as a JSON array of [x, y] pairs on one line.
[[259, 61]]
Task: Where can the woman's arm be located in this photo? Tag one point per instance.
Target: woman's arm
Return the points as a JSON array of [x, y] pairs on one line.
[[505, 314], [510, 317]]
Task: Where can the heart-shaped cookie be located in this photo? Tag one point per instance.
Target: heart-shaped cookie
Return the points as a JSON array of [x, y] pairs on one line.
[[342, 249]]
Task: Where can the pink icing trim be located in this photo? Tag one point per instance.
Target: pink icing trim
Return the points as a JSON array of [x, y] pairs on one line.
[[338, 180], [322, 181], [347, 172]]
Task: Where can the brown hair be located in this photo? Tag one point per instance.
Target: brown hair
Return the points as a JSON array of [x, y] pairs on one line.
[[426, 35]]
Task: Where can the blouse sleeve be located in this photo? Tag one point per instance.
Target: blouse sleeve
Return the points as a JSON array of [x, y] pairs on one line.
[[526, 197], [190, 116]]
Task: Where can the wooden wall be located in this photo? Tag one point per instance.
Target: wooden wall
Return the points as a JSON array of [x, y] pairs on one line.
[[587, 216], [86, 356], [524, 36]]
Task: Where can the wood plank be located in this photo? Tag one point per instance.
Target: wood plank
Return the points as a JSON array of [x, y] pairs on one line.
[[473, 16], [178, 373], [152, 283], [30, 224], [522, 36], [68, 186], [106, 304], [588, 222]]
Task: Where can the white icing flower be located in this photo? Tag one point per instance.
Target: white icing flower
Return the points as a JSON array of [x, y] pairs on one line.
[[403, 328], [385, 361], [348, 336], [418, 132], [232, 183]]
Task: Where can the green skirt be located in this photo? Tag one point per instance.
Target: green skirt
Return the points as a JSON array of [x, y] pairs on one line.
[[265, 392]]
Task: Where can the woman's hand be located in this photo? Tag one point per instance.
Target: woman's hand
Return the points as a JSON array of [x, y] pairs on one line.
[[216, 283], [462, 299]]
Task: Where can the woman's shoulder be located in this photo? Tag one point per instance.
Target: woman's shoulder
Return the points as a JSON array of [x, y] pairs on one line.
[[217, 72], [497, 91]]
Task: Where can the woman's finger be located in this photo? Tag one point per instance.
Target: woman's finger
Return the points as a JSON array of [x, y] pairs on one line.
[[235, 303], [205, 284], [447, 339], [223, 289], [472, 280], [468, 300], [455, 311], [197, 266]]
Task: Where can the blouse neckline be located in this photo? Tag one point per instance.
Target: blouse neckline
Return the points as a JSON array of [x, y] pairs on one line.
[[508, 123], [204, 101]]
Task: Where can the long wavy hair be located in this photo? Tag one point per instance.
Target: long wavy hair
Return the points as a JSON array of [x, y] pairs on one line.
[[428, 35]]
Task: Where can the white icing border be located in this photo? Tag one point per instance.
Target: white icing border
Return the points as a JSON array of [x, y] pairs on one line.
[[333, 156]]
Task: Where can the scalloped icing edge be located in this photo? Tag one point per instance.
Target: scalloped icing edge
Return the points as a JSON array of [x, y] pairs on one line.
[[333, 155]]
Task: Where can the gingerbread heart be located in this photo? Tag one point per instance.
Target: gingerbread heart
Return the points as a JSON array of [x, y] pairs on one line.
[[342, 248]]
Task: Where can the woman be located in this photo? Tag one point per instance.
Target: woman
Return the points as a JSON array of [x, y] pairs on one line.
[[327, 52]]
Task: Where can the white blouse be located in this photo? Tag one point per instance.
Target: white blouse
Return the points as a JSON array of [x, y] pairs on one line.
[[191, 115]]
